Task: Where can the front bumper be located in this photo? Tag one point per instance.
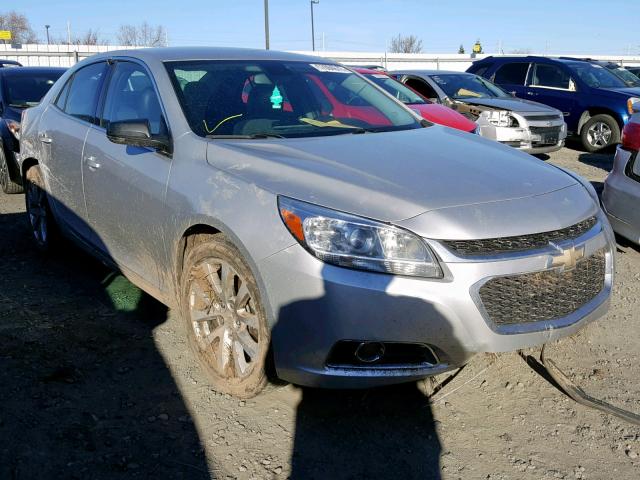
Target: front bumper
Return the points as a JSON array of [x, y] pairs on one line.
[[527, 136], [316, 305]]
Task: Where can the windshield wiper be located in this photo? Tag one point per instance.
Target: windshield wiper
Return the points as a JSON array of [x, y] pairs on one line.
[[19, 105], [253, 136]]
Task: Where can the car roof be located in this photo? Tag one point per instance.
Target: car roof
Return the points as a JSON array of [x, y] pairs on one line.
[[168, 54], [431, 72], [368, 71], [9, 62], [530, 58], [26, 71]]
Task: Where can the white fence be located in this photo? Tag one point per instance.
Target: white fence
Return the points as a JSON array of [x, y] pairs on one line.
[[67, 55]]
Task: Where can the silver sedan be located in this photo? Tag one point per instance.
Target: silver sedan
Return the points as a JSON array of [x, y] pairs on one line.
[[306, 223]]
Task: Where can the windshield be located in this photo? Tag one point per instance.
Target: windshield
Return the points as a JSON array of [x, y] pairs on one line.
[[596, 76], [282, 99], [464, 85], [23, 91], [625, 75], [395, 88]]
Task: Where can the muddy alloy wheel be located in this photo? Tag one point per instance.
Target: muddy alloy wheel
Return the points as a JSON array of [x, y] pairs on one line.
[[225, 321], [38, 208]]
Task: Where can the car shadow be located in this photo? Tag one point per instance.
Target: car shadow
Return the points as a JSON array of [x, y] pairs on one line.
[[603, 161], [84, 391], [384, 432]]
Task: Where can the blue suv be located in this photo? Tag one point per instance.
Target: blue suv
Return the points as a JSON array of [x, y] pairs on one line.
[[596, 103]]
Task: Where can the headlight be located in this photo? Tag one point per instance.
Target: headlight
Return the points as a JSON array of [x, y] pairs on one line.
[[355, 242], [630, 103], [501, 118], [14, 128]]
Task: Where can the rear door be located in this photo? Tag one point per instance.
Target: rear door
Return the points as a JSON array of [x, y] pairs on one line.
[[512, 77], [552, 85], [125, 185], [62, 131]]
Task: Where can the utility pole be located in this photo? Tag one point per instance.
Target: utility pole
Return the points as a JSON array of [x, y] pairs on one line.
[[313, 33], [266, 24], [68, 32], [47, 27]]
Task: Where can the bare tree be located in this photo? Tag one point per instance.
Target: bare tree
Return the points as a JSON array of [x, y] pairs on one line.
[[523, 51], [408, 44], [18, 24], [143, 35]]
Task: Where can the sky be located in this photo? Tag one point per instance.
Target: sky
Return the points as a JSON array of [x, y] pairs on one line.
[[540, 26]]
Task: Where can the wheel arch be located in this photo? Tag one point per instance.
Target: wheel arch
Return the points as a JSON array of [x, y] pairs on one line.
[[27, 163], [593, 111], [198, 231]]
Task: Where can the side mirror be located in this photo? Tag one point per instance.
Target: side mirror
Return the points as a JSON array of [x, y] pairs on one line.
[[137, 134], [513, 93]]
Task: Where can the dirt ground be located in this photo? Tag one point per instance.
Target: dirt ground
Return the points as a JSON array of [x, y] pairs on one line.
[[96, 382]]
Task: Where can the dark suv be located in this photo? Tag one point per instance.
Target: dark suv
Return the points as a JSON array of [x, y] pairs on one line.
[[20, 88], [595, 102]]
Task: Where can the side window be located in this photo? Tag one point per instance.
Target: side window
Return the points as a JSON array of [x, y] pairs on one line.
[[511, 74], [636, 168], [64, 93], [84, 91], [422, 87], [550, 76], [131, 96], [480, 70]]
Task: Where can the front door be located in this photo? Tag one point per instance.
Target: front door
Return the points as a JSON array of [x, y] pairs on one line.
[[551, 85], [125, 185]]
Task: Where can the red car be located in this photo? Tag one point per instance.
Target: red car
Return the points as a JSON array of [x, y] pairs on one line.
[[430, 111]]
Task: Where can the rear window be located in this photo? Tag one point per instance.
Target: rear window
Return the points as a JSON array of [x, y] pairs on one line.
[[24, 91], [282, 99], [511, 74]]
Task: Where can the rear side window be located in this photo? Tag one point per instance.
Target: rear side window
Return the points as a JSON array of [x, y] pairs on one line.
[[511, 74], [61, 101], [84, 91], [480, 70], [422, 87], [550, 76]]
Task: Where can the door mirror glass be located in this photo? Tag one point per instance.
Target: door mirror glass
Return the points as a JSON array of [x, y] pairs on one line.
[[136, 133]]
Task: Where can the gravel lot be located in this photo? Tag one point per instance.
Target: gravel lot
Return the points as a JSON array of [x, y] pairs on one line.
[[96, 382]]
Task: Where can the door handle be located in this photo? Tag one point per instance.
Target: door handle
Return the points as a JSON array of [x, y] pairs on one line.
[[533, 94], [44, 139], [92, 163]]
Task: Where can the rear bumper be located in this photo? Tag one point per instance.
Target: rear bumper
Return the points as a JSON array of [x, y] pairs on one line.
[[316, 305], [621, 196]]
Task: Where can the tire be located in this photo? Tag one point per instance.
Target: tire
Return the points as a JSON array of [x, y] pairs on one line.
[[600, 132], [225, 321], [41, 222], [6, 182]]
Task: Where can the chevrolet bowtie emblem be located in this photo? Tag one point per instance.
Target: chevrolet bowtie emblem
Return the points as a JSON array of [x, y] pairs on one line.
[[567, 257]]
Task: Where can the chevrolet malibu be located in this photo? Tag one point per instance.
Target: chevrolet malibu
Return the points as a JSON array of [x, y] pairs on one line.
[[333, 247]]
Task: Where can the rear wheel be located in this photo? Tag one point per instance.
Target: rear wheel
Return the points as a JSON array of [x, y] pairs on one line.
[[39, 214], [6, 182], [224, 317], [600, 131]]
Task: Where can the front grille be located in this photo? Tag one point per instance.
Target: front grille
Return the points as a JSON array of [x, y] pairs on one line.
[[545, 130], [497, 246], [540, 296], [542, 118]]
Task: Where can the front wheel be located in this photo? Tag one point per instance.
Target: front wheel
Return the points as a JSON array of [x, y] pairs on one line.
[[224, 317], [600, 131]]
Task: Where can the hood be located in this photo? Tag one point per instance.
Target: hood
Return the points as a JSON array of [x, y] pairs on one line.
[[509, 103], [443, 116], [388, 176], [12, 113], [627, 92]]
